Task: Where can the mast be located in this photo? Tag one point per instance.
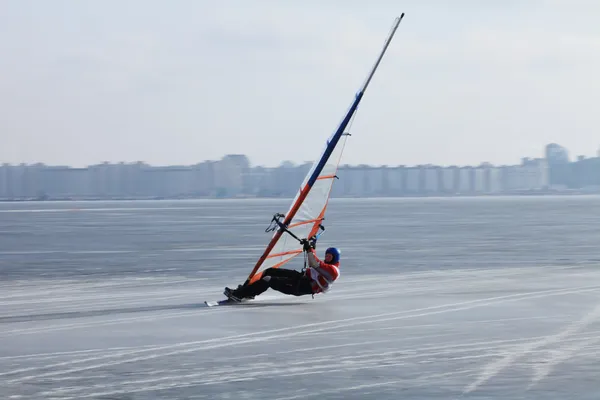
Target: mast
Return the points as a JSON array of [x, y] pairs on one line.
[[385, 46]]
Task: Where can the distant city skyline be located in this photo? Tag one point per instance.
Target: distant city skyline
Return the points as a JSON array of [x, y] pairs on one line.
[[179, 82], [234, 176], [273, 164], [540, 153]]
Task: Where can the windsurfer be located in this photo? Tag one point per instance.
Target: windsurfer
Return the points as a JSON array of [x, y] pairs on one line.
[[303, 219], [317, 278]]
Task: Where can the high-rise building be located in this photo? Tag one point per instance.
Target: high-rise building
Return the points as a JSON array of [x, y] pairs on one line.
[[203, 181], [535, 173], [559, 171], [479, 184], [228, 175], [4, 181], [494, 180], [430, 179], [448, 180], [412, 180], [556, 154], [373, 181], [465, 180], [395, 181]]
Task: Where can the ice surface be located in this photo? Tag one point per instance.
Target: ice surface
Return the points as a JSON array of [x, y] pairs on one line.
[[472, 300], [471, 333]]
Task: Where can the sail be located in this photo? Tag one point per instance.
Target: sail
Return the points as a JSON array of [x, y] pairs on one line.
[[309, 215], [307, 211]]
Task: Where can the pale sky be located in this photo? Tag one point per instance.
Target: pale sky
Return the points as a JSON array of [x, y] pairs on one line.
[[178, 82]]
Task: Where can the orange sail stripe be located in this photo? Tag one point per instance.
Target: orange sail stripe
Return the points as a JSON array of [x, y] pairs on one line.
[[285, 253], [259, 275], [265, 253], [321, 216], [310, 221], [255, 277], [302, 195], [315, 228], [326, 177]]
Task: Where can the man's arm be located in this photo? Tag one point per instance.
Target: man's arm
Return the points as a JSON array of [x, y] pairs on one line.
[[318, 265]]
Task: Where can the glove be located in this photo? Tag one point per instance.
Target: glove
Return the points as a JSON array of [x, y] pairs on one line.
[[306, 245]]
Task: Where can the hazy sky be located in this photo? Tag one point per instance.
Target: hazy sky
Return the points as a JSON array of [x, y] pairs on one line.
[[177, 82]]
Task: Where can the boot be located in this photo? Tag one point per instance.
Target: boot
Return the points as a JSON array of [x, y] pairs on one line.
[[231, 295], [237, 294]]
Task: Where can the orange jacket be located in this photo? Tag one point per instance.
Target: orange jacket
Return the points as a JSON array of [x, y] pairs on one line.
[[321, 273]]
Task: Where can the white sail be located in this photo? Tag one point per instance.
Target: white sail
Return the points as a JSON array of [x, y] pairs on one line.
[[308, 208]]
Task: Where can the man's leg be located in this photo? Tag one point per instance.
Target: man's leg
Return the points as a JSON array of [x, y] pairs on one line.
[[251, 290], [282, 273], [283, 280], [294, 287]]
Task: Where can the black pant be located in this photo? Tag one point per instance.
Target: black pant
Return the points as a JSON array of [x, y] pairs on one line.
[[287, 281]]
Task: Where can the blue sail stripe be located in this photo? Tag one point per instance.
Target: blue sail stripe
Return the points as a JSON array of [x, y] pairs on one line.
[[334, 140]]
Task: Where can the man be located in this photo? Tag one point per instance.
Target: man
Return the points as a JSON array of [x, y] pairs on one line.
[[318, 277]]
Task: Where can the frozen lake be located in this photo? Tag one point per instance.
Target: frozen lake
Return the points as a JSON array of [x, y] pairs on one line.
[[438, 299]]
